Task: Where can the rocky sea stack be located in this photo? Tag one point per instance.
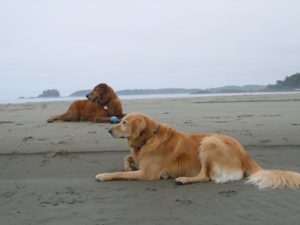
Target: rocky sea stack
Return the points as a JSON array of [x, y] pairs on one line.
[[53, 93]]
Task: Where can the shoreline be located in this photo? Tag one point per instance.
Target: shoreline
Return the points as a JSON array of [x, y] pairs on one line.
[[137, 97]]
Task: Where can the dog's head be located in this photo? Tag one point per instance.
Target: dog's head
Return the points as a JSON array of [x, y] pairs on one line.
[[102, 94], [134, 126]]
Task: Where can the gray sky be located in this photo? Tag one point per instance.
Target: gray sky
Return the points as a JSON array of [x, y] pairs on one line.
[[73, 45]]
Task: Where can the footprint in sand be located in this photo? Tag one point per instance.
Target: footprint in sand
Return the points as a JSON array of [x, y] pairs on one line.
[[184, 201], [228, 193], [3, 122], [29, 138], [265, 141], [295, 124]]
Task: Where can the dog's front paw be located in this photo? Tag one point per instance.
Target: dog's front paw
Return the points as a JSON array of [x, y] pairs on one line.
[[103, 177], [164, 176], [181, 180], [50, 120]]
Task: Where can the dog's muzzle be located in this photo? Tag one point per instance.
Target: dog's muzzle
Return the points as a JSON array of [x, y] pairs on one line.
[[112, 133], [92, 99]]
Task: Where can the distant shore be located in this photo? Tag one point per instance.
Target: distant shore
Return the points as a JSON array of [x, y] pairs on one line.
[[145, 96]]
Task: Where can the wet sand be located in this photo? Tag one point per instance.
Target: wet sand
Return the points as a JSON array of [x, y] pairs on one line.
[[47, 170]]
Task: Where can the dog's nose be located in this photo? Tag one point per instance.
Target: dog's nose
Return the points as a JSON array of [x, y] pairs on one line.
[[87, 96], [110, 130]]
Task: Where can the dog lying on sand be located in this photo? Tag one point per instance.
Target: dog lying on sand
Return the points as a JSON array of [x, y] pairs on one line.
[[101, 104], [159, 151]]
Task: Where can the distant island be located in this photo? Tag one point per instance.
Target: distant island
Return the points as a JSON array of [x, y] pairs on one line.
[[53, 93]]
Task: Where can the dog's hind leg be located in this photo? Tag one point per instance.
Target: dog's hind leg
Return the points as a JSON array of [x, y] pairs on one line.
[[201, 177], [63, 117], [72, 114], [54, 118]]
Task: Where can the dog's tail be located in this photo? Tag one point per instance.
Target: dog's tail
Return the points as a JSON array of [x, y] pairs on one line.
[[270, 178], [275, 179]]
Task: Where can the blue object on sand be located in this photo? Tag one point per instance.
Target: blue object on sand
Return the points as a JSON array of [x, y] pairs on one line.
[[114, 119]]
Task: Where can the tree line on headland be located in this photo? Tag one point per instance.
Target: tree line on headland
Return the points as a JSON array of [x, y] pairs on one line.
[[290, 83]]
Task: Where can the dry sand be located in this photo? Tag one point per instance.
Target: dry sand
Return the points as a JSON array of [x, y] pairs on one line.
[[47, 170]]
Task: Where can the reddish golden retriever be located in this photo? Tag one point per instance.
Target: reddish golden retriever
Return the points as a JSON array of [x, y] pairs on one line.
[[102, 103], [159, 151]]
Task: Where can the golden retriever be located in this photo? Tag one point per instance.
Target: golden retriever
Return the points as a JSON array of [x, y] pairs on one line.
[[159, 151], [102, 103]]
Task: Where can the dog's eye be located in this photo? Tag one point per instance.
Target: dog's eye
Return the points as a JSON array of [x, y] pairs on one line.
[[124, 123]]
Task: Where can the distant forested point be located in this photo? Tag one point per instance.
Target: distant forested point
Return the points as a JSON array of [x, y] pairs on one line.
[[53, 93], [288, 84]]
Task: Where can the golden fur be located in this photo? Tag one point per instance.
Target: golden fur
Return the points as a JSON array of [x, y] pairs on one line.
[[102, 103], [159, 151]]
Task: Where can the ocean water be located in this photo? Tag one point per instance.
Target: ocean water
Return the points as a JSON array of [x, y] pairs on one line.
[[5, 100]]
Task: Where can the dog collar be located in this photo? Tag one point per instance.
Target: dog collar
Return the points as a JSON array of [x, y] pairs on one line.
[[155, 130]]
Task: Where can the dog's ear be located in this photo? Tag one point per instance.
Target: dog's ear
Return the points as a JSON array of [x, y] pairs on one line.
[[105, 99], [138, 126], [150, 128]]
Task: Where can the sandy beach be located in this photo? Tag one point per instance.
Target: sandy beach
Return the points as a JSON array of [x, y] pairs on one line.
[[47, 170]]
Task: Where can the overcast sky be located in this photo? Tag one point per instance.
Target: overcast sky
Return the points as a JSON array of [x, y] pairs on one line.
[[73, 45]]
